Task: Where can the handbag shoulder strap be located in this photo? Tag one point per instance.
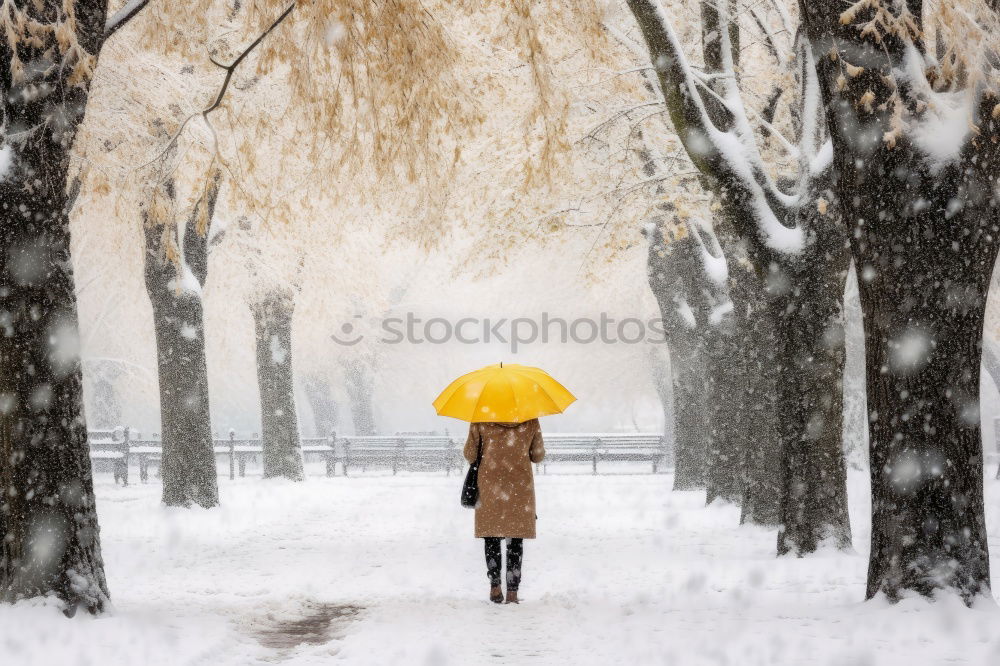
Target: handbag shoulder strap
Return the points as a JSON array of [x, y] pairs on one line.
[[479, 454]]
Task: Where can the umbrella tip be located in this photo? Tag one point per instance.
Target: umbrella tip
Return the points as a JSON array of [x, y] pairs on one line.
[[501, 364]]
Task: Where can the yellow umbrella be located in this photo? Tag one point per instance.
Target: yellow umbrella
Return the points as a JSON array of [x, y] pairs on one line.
[[509, 393]]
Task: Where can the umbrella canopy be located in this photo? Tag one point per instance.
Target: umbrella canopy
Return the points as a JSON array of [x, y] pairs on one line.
[[508, 393]]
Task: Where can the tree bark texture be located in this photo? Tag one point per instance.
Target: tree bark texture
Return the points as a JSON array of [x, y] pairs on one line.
[[49, 535], [924, 237], [762, 454], [174, 281], [672, 267], [809, 333], [727, 358], [282, 450]]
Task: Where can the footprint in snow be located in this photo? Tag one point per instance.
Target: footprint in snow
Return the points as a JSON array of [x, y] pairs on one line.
[[313, 623]]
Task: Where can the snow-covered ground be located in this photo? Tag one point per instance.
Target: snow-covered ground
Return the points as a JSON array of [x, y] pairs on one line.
[[384, 570]]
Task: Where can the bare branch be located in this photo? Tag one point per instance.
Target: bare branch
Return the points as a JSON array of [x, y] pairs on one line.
[[770, 40], [236, 63], [230, 69], [123, 16]]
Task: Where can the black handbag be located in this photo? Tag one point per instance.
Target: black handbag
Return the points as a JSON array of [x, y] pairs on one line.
[[470, 489]]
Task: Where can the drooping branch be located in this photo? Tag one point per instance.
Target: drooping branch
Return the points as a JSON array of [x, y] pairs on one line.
[[811, 122], [916, 10], [770, 40], [678, 85]]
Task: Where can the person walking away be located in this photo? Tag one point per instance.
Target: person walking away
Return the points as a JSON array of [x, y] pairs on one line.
[[506, 508]]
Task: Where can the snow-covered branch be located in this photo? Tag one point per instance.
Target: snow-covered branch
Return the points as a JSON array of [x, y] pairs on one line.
[[729, 157]]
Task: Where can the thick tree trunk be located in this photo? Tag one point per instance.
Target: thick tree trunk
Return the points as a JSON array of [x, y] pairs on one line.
[[928, 528], [726, 407], [49, 536], [673, 276], [188, 466], [730, 432], [690, 445], [810, 342], [174, 288], [924, 240], [725, 360], [282, 453], [762, 455]]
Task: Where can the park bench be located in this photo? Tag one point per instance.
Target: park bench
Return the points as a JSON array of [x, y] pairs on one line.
[[239, 451], [432, 453], [569, 448], [395, 452], [606, 447], [633, 448]]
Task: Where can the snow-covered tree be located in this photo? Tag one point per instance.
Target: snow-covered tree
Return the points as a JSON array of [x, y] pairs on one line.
[[176, 270], [676, 261], [728, 328], [915, 124], [795, 243], [272, 284], [49, 537]]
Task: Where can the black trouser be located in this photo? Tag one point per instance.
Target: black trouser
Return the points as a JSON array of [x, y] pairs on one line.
[[515, 554]]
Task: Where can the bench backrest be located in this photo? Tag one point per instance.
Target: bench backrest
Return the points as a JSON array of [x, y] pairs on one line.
[[632, 441], [391, 441], [556, 441]]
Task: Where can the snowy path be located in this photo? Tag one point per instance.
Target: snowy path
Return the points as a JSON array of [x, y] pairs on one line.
[[382, 570]]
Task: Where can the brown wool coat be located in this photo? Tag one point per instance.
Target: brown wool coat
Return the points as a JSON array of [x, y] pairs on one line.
[[506, 483]]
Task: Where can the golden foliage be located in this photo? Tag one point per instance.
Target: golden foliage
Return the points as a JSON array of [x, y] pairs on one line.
[[379, 78], [43, 26]]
